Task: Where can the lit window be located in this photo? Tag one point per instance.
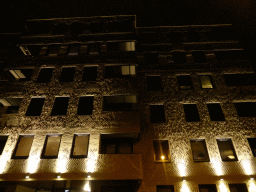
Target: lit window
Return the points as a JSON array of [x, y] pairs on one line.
[[238, 187], [85, 105], [45, 75], [227, 151], [3, 139], [60, 106], [21, 74], [252, 143], [118, 71], [191, 112], [35, 107], [207, 188], [120, 103], [51, 146], [161, 148], [206, 81], [11, 105], [80, 146], [199, 150], [165, 188], [90, 73], [154, 83], [184, 81], [23, 147], [157, 114], [246, 109], [67, 74], [127, 46], [116, 144], [215, 112]]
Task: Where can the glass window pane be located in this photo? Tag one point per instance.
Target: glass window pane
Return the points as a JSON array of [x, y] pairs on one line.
[[52, 146], [252, 143], [191, 112], [80, 145], [206, 82], [3, 140], [199, 150], [35, 107], [207, 188], [227, 151], [23, 147], [45, 75], [161, 148]]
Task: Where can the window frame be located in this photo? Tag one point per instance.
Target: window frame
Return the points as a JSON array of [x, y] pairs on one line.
[[73, 146], [253, 152], [57, 109], [17, 146], [158, 141], [30, 107], [186, 87], [42, 68], [232, 148], [205, 150], [186, 114], [210, 78], [43, 156]]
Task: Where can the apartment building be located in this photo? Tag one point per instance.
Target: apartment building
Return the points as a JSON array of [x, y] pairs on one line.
[[99, 104]]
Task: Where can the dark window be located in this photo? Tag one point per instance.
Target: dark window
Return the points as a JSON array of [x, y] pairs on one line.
[[74, 49], [246, 109], [11, 105], [94, 48], [230, 55], [179, 57], [51, 147], [80, 146], [154, 83], [175, 37], [3, 139], [165, 188], [252, 143], [206, 82], [227, 151], [53, 50], [215, 112], [60, 106], [33, 50], [118, 71], [120, 103], [245, 79], [199, 150], [184, 81], [241, 187], [23, 147], [85, 105], [157, 114], [90, 73], [21, 74], [161, 148], [116, 144], [151, 58], [45, 75], [199, 56], [35, 107], [207, 188], [191, 112], [67, 74], [193, 36]]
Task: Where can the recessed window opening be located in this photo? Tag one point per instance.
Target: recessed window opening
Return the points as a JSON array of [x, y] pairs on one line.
[[245, 109], [206, 82], [51, 146], [74, 48], [118, 71], [227, 151], [184, 81], [252, 143], [199, 56], [207, 188], [21, 74], [53, 50], [165, 188], [154, 83], [90, 73], [157, 114], [11, 105], [3, 140], [199, 150], [23, 146], [215, 112], [35, 107], [80, 146], [120, 103], [179, 57], [151, 58], [85, 105], [240, 79], [161, 148], [67, 74], [191, 112], [238, 187], [60, 106], [45, 75]]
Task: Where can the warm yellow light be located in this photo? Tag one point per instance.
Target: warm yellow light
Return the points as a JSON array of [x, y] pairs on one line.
[[182, 168], [252, 186], [247, 166], [87, 186], [3, 161], [217, 166], [90, 165], [162, 157], [223, 187], [33, 162], [62, 162], [184, 187], [231, 157]]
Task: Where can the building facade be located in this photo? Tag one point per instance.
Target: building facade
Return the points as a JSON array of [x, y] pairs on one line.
[[98, 104]]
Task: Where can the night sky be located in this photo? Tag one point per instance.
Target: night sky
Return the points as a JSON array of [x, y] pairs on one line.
[[241, 13]]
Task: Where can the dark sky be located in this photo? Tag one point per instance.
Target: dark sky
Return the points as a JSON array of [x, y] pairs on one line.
[[241, 13]]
